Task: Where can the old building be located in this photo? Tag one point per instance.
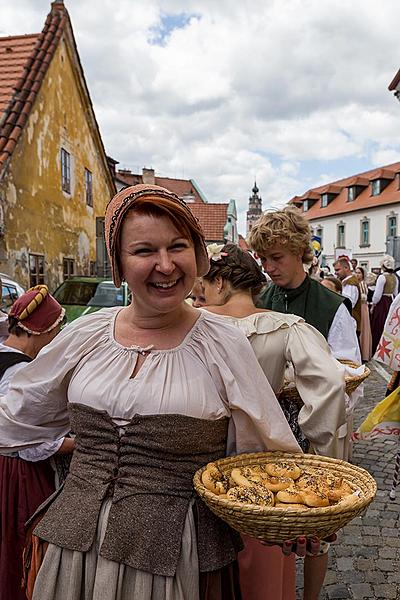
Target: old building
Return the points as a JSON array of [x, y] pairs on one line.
[[54, 177], [218, 219], [358, 215], [255, 208]]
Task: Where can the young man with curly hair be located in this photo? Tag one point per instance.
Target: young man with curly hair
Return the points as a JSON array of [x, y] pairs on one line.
[[282, 241]]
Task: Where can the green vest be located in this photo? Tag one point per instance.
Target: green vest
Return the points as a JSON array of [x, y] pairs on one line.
[[311, 300]]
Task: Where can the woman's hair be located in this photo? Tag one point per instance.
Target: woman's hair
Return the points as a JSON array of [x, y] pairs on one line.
[[14, 329], [163, 207], [286, 227], [362, 271], [336, 282], [239, 268]]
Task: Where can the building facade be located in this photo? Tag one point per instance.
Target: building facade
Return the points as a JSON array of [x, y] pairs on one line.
[[358, 216], [55, 181]]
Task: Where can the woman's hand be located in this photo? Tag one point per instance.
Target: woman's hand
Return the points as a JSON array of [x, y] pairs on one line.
[[303, 545]]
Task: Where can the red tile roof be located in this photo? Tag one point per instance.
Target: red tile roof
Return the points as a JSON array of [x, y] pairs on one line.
[[180, 187], [212, 217], [340, 204], [23, 64], [395, 81], [14, 53]]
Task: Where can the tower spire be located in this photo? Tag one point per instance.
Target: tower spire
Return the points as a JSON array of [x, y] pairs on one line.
[[255, 207]]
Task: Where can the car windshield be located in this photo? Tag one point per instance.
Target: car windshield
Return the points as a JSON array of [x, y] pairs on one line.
[[107, 295], [76, 292]]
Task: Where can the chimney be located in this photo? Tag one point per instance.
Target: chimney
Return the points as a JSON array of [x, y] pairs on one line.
[[148, 176]]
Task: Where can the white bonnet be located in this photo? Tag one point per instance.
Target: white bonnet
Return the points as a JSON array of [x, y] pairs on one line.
[[387, 261]]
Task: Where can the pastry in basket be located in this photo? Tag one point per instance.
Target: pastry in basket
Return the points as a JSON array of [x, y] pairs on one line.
[[245, 476], [214, 480], [254, 494], [283, 469], [249, 476], [291, 496]]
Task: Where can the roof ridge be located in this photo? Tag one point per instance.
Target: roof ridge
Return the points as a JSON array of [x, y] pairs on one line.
[[28, 85]]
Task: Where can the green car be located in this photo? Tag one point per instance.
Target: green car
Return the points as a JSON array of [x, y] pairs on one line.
[[83, 295]]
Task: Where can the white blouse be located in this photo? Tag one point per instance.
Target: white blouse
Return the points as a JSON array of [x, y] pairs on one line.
[[279, 340], [212, 374]]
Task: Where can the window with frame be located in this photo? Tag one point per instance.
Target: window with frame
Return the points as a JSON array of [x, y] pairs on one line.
[[364, 235], [89, 187], [68, 268], [341, 235], [65, 171], [36, 269], [351, 193], [392, 226], [324, 200]]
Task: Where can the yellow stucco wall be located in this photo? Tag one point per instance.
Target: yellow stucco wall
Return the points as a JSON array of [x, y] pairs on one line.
[[37, 216]]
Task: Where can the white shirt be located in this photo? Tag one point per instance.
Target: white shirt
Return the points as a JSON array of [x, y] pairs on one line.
[[350, 291], [278, 339], [212, 374], [46, 449], [342, 336], [380, 285]]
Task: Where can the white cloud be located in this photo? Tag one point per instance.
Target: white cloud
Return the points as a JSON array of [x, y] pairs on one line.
[[236, 90]]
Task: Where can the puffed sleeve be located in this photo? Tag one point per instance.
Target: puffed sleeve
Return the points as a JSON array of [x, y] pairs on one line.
[[34, 410], [319, 379], [257, 420]]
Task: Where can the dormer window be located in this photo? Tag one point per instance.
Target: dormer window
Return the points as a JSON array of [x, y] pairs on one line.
[[352, 192], [329, 193], [378, 185], [307, 204]]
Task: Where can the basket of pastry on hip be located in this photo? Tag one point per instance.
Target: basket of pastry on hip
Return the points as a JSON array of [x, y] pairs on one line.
[[277, 496], [355, 375]]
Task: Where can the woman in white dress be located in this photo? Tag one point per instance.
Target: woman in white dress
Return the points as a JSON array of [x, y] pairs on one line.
[[279, 340], [152, 392]]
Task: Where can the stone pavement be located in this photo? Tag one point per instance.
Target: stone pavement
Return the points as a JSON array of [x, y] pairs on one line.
[[365, 560]]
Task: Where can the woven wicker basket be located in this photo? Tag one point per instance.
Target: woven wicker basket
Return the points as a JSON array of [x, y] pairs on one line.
[[352, 382], [279, 524]]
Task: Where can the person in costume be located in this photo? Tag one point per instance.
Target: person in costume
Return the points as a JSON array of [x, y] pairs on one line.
[[152, 392], [350, 287], [230, 286], [386, 289], [281, 239], [27, 477], [365, 333]]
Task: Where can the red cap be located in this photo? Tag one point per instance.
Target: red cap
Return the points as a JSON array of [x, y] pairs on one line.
[[37, 311]]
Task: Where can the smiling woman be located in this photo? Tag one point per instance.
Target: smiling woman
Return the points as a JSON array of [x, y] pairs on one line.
[[153, 391]]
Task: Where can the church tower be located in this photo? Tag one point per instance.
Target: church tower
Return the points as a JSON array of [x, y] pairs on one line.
[[255, 208]]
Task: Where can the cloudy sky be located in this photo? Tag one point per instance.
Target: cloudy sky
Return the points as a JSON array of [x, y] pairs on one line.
[[290, 92]]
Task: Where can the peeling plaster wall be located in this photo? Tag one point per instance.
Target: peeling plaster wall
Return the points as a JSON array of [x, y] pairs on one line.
[[37, 216]]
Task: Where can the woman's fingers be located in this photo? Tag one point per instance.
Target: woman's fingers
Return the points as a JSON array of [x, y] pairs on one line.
[[287, 547], [301, 546]]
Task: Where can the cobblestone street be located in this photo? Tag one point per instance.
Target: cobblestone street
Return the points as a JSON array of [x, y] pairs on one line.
[[364, 562]]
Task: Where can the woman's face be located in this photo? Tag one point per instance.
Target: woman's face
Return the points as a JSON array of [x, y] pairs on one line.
[[211, 292], [359, 275], [157, 262], [197, 295]]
